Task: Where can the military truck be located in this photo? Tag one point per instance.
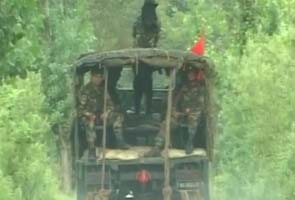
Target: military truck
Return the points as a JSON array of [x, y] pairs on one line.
[[127, 174]]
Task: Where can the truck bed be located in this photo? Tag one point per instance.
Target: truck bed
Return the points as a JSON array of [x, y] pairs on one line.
[[135, 155]]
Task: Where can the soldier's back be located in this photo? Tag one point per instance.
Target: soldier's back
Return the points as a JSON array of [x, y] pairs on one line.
[[145, 37]]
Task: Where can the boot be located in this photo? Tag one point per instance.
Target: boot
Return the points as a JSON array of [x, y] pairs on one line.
[[190, 145], [156, 150], [121, 144]]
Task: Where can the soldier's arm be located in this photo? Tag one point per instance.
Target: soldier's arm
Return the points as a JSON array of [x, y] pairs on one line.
[[83, 98], [82, 103], [177, 97], [110, 107]]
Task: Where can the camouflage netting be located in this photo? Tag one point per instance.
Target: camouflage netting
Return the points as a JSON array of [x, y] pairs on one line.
[[168, 59]]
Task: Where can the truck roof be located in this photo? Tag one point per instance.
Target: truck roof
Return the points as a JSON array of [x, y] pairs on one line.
[[154, 57]]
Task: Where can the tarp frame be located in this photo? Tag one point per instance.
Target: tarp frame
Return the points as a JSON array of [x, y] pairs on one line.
[[157, 58]]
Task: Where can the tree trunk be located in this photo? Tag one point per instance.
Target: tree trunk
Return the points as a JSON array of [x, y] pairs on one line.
[[63, 132], [247, 22], [44, 4], [65, 161]]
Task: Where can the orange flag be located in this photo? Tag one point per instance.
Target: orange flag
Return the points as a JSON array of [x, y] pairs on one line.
[[199, 47]]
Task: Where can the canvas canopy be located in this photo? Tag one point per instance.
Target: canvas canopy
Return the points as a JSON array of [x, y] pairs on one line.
[[153, 57]]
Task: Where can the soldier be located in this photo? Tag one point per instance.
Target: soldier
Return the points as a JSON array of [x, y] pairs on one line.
[[188, 106], [146, 32], [147, 27], [91, 101]]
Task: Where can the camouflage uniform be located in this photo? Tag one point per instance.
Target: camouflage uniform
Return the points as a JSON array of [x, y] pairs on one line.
[[146, 29], [91, 100], [145, 37], [188, 106]]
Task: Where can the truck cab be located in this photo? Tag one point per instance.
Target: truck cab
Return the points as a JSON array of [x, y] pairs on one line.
[[127, 174]]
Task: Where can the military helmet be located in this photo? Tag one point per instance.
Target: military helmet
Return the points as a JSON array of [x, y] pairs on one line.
[[151, 2]]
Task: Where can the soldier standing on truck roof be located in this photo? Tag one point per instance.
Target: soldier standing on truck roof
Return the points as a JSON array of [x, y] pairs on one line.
[[188, 106], [146, 32], [91, 101]]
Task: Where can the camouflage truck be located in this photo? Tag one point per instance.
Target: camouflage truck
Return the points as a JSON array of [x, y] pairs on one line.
[[125, 174]]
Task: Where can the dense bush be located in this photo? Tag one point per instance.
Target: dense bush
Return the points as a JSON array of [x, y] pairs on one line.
[[254, 151], [26, 170]]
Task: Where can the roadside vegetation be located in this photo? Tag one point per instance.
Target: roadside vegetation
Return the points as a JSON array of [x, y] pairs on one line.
[[252, 44]]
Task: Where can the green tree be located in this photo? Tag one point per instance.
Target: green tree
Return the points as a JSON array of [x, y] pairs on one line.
[[20, 47], [26, 171], [66, 36]]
